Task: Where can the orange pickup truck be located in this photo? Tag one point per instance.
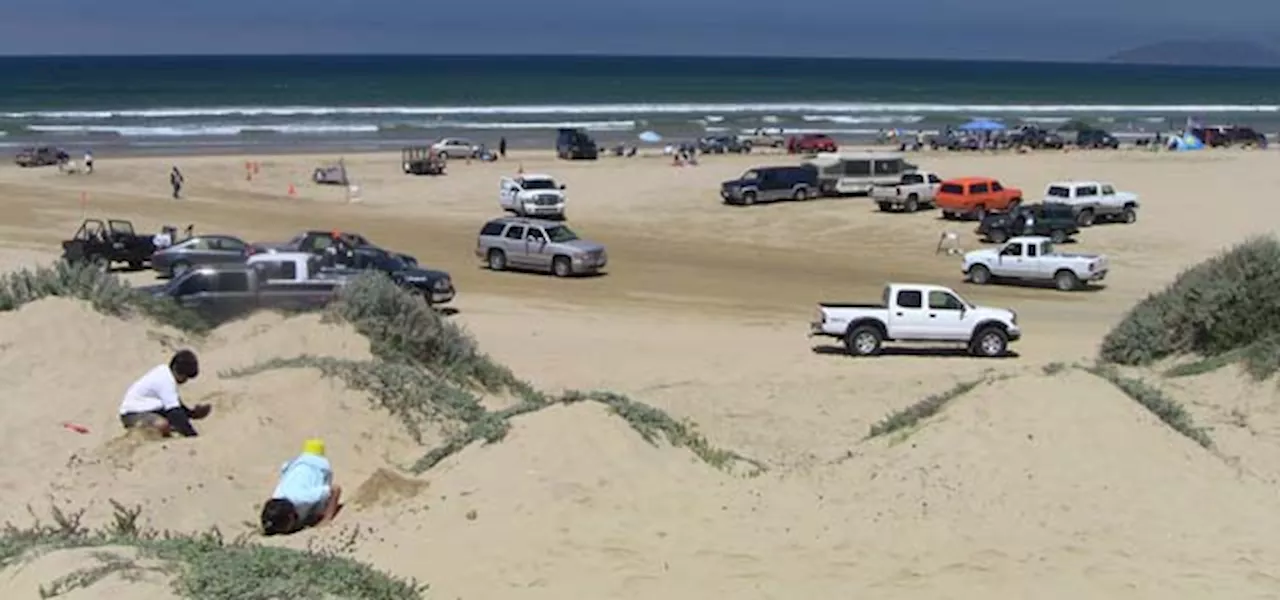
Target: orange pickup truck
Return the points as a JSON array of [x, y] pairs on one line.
[[974, 197]]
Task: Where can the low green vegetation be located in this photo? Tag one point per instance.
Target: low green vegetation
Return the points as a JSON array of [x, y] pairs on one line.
[[104, 291], [925, 408], [1155, 400], [1223, 310], [202, 566], [428, 370]]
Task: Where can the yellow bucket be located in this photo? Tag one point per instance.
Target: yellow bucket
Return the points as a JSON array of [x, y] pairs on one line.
[[313, 446]]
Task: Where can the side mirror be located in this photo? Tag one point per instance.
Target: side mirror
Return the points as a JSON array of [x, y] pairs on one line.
[[564, 187]]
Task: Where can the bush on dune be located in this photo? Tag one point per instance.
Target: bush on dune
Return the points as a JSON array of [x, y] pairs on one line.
[[107, 293], [1227, 305]]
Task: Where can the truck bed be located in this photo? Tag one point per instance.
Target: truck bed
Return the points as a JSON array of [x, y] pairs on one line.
[[851, 305]]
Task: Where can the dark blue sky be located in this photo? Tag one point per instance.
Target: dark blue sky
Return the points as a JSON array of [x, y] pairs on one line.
[[982, 29]]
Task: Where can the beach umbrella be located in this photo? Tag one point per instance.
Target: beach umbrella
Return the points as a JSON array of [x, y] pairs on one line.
[[651, 137], [982, 125]]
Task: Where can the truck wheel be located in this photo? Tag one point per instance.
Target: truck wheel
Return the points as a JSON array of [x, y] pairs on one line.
[[980, 213], [1057, 236], [748, 198], [998, 236], [561, 267], [863, 340], [1129, 215], [497, 260], [884, 206], [979, 275], [913, 203], [800, 195], [1066, 280], [1085, 218], [990, 342]]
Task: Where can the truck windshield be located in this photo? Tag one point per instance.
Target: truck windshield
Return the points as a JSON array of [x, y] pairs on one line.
[[560, 233], [1057, 191], [539, 184]]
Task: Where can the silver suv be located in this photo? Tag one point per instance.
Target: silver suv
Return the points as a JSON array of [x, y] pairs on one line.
[[539, 245]]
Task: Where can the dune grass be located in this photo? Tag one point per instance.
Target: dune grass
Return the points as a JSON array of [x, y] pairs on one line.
[[1157, 402], [925, 408], [1223, 310], [428, 370], [104, 291], [201, 566]]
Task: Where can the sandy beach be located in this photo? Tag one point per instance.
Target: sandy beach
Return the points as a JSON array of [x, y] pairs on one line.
[[1036, 484]]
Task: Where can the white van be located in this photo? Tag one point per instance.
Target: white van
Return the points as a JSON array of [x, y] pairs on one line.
[[857, 172]]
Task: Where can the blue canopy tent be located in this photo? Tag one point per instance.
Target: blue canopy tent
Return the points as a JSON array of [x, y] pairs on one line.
[[982, 125]]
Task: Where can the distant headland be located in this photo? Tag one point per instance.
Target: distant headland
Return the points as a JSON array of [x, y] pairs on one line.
[[1209, 53]]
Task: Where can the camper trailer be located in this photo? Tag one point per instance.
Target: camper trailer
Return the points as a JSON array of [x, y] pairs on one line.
[[845, 173]]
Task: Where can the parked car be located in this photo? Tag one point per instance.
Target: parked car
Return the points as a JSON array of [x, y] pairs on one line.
[[765, 137], [1033, 258], [912, 192], [575, 144], [456, 148], [436, 287], [917, 313], [226, 292], [1095, 139], [1054, 221], [1037, 138], [538, 245], [811, 143], [1229, 135], [974, 197], [1093, 201], [201, 250], [319, 242], [768, 184], [108, 243], [722, 144], [422, 160], [41, 156], [532, 195]]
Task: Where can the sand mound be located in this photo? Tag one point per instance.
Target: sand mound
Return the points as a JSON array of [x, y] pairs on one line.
[[88, 574], [65, 363], [1061, 481]]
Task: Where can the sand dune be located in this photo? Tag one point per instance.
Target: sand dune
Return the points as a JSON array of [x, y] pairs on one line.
[[1030, 485]]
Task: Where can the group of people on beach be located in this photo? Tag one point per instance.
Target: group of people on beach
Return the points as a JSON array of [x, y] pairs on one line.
[[304, 495]]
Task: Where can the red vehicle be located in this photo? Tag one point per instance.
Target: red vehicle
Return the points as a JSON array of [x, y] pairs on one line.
[[810, 143]]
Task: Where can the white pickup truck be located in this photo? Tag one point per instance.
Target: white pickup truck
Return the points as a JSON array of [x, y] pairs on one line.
[[917, 313], [1093, 201], [532, 195], [915, 190], [1033, 258]]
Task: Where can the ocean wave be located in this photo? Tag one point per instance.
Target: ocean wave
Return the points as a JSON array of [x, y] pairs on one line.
[[810, 108], [202, 130], [852, 120], [587, 125]]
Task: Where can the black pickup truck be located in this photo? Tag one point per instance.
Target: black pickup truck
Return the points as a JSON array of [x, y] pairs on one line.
[[224, 293], [1056, 221], [107, 243]]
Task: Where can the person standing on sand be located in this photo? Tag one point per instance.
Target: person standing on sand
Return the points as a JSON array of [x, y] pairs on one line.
[[176, 180], [153, 401], [88, 162], [502, 147], [305, 495]]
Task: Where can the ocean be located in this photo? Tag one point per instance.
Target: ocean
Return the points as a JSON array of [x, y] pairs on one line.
[[374, 102]]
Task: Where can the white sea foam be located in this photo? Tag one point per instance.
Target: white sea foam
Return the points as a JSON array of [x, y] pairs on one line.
[[203, 130], [810, 108], [587, 125], [854, 120]]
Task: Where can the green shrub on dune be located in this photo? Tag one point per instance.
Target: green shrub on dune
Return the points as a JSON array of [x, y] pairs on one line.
[[106, 292], [1227, 304]]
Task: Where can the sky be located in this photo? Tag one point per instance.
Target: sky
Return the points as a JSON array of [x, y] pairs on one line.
[[972, 29]]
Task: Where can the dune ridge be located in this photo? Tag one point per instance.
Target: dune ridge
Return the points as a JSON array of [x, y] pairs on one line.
[[980, 487]]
